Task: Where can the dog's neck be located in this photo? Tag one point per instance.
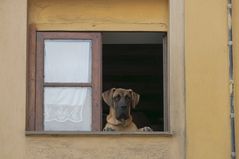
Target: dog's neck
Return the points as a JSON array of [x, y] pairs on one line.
[[113, 121]]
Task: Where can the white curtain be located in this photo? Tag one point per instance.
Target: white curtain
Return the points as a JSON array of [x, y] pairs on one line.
[[67, 108], [67, 61]]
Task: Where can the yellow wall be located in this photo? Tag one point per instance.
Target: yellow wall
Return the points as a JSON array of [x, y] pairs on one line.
[[236, 63], [12, 77], [13, 27], [206, 68], [207, 91], [99, 15]]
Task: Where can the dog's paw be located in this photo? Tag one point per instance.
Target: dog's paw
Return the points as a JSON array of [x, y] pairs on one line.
[[108, 129], [146, 128]]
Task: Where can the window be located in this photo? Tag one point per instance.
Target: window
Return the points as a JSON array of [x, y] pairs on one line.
[[135, 60], [67, 73], [64, 88]]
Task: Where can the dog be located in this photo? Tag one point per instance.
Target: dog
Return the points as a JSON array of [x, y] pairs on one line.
[[120, 102]]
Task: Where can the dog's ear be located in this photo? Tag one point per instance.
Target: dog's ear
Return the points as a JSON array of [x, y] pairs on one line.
[[108, 96], [135, 98]]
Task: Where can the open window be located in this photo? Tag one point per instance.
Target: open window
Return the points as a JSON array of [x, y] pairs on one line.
[[135, 60], [67, 72]]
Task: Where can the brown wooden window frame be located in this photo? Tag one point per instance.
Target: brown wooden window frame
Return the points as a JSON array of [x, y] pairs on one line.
[[35, 81], [35, 75]]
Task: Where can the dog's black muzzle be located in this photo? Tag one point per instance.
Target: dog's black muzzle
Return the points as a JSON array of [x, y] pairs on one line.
[[122, 112]]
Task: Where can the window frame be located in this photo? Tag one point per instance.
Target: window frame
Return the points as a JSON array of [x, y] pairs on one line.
[[34, 114], [35, 76]]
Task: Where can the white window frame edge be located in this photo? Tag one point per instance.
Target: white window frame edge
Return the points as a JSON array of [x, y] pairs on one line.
[[176, 76]]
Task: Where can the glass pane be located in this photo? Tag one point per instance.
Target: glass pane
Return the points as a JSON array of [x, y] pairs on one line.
[[67, 61], [67, 109]]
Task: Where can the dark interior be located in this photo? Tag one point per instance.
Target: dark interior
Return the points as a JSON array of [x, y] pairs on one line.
[[138, 67]]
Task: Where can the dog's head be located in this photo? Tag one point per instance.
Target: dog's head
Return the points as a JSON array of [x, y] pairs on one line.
[[121, 100]]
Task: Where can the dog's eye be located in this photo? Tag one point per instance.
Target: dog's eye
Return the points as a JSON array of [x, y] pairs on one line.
[[127, 97], [117, 97]]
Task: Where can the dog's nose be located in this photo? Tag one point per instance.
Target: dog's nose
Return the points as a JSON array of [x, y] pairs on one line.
[[123, 106]]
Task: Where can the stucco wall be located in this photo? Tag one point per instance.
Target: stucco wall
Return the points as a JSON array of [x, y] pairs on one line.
[[207, 98], [14, 143], [12, 78], [236, 63], [207, 81], [99, 15]]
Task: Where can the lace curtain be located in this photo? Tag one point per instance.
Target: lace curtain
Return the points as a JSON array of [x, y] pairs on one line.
[[67, 108]]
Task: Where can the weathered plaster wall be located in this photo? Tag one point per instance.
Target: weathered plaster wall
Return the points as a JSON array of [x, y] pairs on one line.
[[96, 147], [13, 27], [12, 77], [207, 81], [99, 15], [235, 26], [207, 100]]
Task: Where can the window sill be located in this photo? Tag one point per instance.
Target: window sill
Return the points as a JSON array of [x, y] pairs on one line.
[[96, 133]]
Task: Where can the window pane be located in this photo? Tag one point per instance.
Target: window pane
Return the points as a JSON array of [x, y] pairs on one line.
[[67, 60], [67, 109]]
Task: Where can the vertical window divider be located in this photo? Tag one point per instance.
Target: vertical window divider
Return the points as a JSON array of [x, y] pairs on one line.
[[39, 83], [166, 82], [31, 79]]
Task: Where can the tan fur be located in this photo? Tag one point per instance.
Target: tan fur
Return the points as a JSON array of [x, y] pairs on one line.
[[112, 123]]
